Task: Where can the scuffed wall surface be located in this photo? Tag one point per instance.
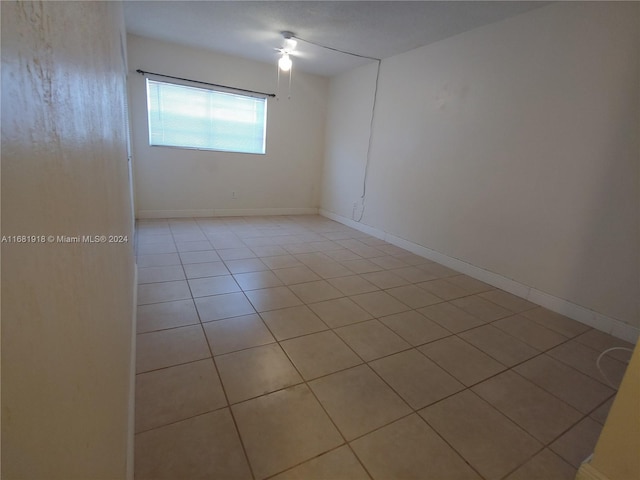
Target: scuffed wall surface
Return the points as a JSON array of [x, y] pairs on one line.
[[66, 307]]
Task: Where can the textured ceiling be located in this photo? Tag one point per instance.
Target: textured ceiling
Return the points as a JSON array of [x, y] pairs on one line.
[[252, 29]]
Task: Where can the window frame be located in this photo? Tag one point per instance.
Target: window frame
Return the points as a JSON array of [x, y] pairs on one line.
[[225, 91]]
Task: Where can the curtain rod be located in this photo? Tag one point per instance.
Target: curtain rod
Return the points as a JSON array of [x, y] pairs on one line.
[[142, 72]]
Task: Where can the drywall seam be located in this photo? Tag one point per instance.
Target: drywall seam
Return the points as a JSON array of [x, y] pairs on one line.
[[132, 382], [579, 313], [225, 212]]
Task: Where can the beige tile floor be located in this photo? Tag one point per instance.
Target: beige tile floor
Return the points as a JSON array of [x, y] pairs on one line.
[[299, 348]]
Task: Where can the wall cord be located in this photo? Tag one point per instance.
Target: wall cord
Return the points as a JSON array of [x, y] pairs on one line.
[[373, 112], [370, 141], [606, 379]]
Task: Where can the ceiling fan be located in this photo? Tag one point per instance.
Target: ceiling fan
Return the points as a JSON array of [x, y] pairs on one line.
[[287, 51]]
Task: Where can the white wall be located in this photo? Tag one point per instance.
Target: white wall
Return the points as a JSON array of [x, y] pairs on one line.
[[67, 309], [178, 182], [348, 130], [513, 147]]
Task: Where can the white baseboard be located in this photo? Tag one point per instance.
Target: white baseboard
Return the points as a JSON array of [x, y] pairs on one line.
[[224, 212], [587, 472], [582, 314]]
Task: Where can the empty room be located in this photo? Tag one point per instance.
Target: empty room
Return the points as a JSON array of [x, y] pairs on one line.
[[320, 240]]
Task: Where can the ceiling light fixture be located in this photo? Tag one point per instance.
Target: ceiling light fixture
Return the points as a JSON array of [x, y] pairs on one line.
[[285, 62], [288, 47]]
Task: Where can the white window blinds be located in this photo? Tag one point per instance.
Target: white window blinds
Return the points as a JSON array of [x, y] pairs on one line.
[[190, 117]]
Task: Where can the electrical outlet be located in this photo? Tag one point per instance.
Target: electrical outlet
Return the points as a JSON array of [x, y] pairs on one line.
[[233, 195]]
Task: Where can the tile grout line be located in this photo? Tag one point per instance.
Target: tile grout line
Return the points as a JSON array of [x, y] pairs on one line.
[[224, 391], [416, 347]]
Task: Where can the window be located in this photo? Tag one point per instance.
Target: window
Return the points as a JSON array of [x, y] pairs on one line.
[[190, 117]]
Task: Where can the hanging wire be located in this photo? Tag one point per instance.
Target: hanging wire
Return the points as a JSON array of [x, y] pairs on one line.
[[606, 379], [334, 49], [373, 112], [370, 141]]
